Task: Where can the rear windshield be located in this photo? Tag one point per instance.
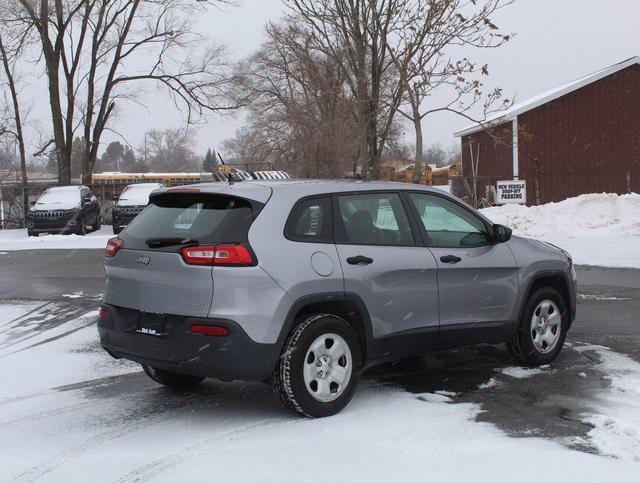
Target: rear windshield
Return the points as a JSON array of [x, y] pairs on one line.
[[204, 218]]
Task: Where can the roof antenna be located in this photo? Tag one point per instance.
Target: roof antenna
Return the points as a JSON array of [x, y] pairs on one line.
[[221, 160]]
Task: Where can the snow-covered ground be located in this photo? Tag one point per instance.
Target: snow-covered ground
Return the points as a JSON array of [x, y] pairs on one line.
[[18, 240], [69, 412], [597, 229]]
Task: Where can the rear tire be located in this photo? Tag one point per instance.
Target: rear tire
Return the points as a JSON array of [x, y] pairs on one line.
[[317, 372], [172, 379], [542, 330]]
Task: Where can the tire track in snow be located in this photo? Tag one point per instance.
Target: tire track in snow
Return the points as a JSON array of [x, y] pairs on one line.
[[33, 417], [28, 313], [153, 468], [66, 454], [38, 323], [48, 340], [88, 384]]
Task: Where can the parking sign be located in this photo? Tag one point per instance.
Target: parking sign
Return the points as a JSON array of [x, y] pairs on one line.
[[511, 191]]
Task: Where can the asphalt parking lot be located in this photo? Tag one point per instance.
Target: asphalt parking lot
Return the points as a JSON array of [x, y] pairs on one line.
[[542, 404]]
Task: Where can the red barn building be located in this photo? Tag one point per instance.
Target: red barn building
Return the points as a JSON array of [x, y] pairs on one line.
[[583, 137]]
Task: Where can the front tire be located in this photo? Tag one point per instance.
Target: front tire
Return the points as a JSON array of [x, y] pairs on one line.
[[317, 371], [542, 330], [97, 224], [31, 233], [82, 226], [172, 379]]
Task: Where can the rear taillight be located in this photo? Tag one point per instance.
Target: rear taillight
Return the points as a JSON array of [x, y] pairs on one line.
[[104, 313], [210, 330], [113, 245], [221, 255]]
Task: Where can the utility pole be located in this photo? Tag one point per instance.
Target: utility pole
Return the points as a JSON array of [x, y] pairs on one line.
[[145, 148]]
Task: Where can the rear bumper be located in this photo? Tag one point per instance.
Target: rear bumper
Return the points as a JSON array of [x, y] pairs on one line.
[[234, 356]]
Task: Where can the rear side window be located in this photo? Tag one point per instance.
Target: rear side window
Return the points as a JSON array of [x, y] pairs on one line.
[[311, 221], [202, 217]]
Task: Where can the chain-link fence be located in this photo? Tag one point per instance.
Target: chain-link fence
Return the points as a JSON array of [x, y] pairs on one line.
[[15, 200]]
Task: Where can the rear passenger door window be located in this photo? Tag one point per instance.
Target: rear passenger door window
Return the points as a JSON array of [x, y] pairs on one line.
[[381, 263], [311, 221], [372, 219]]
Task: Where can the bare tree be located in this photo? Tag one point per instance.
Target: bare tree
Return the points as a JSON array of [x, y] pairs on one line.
[[171, 150], [301, 114], [431, 30], [356, 34], [95, 50], [9, 53]]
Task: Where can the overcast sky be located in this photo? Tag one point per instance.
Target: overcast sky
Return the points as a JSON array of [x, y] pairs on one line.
[[556, 41]]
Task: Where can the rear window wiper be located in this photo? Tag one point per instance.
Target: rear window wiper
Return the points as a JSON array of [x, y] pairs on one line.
[[168, 241]]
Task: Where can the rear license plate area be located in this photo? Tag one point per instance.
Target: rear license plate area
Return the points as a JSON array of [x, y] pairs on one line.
[[151, 324]]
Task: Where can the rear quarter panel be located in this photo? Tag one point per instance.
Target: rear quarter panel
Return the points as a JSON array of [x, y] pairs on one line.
[[289, 263]]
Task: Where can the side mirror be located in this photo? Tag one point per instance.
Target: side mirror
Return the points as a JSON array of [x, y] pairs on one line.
[[33, 203], [115, 198], [501, 233], [86, 200]]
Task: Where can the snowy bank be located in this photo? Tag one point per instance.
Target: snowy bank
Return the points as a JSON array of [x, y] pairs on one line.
[[597, 229], [18, 240]]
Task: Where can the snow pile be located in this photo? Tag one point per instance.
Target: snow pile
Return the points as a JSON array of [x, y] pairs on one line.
[[597, 229], [19, 240], [522, 372], [592, 214]]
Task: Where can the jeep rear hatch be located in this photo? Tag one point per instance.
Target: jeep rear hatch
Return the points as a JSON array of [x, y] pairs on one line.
[[164, 261]]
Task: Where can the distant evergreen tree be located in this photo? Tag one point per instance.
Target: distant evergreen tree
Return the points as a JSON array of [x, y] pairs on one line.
[[112, 157], [129, 163], [210, 161]]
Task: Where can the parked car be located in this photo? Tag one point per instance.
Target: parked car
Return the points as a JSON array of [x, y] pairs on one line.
[[133, 199], [308, 283], [64, 209]]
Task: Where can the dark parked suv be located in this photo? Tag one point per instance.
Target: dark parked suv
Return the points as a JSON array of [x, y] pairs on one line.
[[307, 283], [64, 209], [133, 199]]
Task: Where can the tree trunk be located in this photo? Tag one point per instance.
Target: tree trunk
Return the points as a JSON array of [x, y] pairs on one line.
[[417, 125], [63, 151], [18, 125]]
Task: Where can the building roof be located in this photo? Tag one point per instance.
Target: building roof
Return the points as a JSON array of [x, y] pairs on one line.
[[545, 97]]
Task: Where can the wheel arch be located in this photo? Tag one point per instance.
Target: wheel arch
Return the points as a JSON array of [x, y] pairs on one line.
[[347, 306], [555, 279]]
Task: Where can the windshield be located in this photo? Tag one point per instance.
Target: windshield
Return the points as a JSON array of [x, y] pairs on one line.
[[137, 194], [202, 217], [59, 198]]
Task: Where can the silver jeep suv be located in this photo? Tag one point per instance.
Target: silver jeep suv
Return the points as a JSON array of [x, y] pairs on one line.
[[308, 283]]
